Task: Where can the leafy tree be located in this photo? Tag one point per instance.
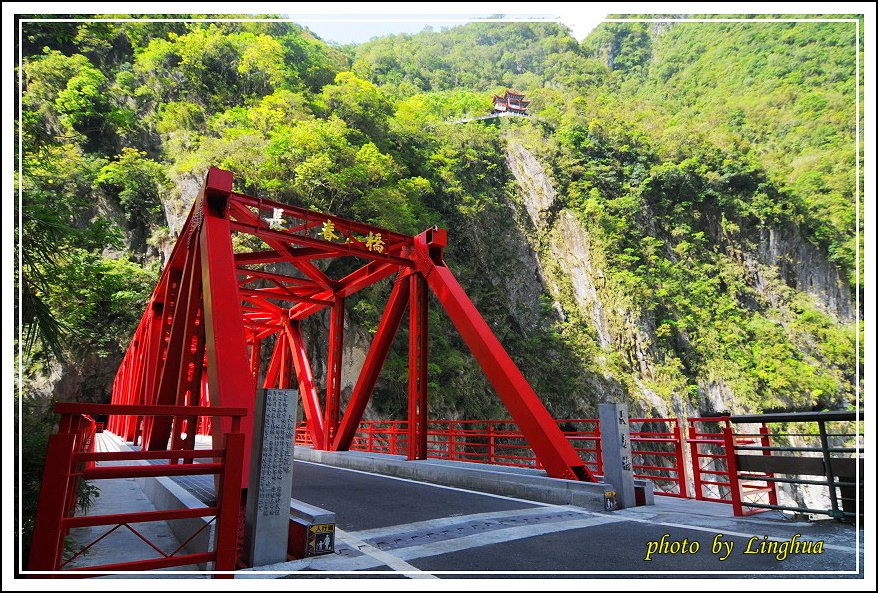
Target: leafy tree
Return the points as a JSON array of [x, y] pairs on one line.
[[137, 183]]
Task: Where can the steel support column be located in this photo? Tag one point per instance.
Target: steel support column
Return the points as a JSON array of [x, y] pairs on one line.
[[333, 371], [228, 371], [417, 413]]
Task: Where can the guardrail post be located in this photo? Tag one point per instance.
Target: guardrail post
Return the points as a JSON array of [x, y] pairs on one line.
[[732, 468], [226, 545], [696, 461], [766, 442], [48, 536], [830, 475], [452, 441], [491, 439], [678, 456]]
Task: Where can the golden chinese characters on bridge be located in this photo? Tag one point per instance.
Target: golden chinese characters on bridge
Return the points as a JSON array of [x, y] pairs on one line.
[[373, 241]]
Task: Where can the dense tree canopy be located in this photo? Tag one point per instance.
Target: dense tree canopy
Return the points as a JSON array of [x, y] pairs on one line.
[[675, 147]]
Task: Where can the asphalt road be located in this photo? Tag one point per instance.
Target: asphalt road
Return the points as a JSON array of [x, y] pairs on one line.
[[365, 501], [404, 526]]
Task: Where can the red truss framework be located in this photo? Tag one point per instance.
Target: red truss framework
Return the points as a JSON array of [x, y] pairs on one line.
[[199, 341]]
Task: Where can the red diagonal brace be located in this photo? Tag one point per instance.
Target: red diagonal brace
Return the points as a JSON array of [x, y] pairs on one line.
[[553, 450], [307, 390], [372, 365]]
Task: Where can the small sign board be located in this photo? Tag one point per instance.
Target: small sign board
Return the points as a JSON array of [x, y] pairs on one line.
[[321, 539]]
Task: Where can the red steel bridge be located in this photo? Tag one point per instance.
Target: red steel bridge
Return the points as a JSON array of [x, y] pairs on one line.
[[244, 270], [199, 341]]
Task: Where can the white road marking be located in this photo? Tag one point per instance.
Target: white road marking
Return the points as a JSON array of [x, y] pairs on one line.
[[446, 522], [498, 536], [391, 560]]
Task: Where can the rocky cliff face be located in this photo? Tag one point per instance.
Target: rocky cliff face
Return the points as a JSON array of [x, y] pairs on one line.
[[572, 269], [806, 268], [564, 247]]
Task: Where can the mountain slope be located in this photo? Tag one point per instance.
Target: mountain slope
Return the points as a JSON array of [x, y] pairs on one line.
[[674, 228]]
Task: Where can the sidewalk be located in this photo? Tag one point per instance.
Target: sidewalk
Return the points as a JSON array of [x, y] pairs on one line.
[[120, 543]]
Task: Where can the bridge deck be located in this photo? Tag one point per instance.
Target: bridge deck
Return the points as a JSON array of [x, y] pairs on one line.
[[418, 530]]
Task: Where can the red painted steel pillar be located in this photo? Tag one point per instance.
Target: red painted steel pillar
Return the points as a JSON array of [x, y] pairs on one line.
[[229, 495], [274, 364], [418, 336], [732, 468], [255, 357], [48, 535], [195, 383], [228, 371], [333, 371]]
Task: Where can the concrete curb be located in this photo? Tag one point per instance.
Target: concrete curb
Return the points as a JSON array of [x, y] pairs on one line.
[[507, 481]]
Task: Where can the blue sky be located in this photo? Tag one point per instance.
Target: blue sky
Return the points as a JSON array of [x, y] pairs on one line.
[[357, 28]]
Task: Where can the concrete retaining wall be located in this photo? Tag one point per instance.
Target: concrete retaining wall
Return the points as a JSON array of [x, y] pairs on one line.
[[508, 481], [165, 494]]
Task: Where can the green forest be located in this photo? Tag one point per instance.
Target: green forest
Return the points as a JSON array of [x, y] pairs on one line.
[[676, 148]]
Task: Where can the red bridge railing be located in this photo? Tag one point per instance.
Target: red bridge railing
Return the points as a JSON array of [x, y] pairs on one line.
[[71, 457], [657, 445], [712, 446]]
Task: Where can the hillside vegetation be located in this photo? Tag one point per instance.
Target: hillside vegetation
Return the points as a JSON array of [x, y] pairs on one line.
[[678, 149], [703, 174]]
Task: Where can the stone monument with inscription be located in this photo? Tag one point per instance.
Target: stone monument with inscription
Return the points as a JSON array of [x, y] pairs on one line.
[[267, 517], [616, 451]]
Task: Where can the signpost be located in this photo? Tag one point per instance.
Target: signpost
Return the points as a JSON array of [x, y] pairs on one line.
[[267, 516], [616, 450]]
